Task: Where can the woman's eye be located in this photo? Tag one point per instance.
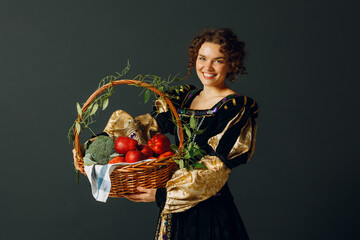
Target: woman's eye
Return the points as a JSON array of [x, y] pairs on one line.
[[201, 58], [219, 61]]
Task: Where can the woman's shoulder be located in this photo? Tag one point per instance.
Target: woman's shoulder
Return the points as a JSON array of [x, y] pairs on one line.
[[237, 102]]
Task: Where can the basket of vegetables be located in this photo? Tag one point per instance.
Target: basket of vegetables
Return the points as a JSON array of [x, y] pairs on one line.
[[126, 178]]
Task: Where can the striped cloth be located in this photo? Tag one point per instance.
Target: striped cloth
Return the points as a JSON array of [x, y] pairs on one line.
[[99, 178]]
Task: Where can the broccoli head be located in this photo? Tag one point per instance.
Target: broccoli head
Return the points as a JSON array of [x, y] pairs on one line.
[[100, 149]]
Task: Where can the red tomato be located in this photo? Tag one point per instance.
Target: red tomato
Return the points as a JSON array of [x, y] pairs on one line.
[[166, 154], [117, 159], [159, 143], [134, 156], [145, 150], [125, 144]]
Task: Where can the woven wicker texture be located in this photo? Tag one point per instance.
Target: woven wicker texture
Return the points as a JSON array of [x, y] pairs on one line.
[[125, 179]]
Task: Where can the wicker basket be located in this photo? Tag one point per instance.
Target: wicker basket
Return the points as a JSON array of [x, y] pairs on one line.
[[153, 174]]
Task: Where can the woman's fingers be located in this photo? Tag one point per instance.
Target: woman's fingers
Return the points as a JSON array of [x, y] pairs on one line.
[[145, 190], [145, 195], [76, 164]]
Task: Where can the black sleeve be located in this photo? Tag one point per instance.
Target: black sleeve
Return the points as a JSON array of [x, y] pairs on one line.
[[160, 197], [165, 122], [229, 138]]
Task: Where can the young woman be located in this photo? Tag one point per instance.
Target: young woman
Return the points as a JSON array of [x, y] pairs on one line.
[[198, 204]]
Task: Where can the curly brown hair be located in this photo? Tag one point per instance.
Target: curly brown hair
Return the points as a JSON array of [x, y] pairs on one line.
[[231, 47]]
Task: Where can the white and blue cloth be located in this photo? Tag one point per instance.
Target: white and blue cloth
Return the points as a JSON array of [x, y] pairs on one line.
[[99, 178]]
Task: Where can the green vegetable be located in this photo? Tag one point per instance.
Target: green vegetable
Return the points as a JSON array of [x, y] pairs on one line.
[[99, 150]]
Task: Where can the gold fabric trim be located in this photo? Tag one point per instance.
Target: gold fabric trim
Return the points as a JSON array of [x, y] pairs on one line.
[[122, 124], [243, 142], [165, 226], [186, 188], [141, 128], [161, 105], [253, 139], [147, 125]]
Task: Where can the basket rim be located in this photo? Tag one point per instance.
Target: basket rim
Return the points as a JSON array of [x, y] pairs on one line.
[[135, 83]]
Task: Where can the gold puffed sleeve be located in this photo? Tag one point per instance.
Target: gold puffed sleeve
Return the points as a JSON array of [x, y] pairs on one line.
[[187, 188]]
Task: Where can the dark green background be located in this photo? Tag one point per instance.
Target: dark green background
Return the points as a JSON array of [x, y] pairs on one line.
[[303, 181]]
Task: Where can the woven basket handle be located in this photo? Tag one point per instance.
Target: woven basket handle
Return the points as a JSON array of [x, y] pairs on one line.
[[128, 82]]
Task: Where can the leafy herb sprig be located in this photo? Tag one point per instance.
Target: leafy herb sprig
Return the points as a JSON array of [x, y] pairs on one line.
[[191, 152], [101, 101], [162, 84]]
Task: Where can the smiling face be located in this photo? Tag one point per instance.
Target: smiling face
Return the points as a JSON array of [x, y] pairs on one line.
[[212, 65]]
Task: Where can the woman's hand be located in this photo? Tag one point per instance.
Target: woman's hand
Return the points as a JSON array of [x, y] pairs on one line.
[[76, 163], [82, 149], [146, 195]]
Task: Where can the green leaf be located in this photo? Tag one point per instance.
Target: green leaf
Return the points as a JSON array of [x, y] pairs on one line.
[[198, 152], [176, 161], [181, 164], [187, 165], [78, 108], [161, 88], [187, 154], [197, 165], [78, 127], [193, 122], [72, 136], [147, 95], [174, 147], [105, 104], [201, 131], [94, 109], [187, 130], [195, 146]]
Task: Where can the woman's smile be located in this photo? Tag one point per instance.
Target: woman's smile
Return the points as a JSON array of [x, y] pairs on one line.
[[208, 75]]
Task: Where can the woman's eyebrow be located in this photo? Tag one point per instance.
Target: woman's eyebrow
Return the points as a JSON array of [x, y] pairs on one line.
[[214, 58]]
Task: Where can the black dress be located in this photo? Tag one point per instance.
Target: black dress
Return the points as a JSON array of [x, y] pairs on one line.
[[216, 217]]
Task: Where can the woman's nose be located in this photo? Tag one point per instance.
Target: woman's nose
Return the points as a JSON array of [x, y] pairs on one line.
[[208, 65]]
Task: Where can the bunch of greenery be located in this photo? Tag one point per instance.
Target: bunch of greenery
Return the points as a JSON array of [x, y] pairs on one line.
[[191, 152]]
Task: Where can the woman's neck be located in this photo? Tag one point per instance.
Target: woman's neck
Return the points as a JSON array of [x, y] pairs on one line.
[[215, 91]]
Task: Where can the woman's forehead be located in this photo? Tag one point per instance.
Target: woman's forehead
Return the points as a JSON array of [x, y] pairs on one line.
[[212, 50]]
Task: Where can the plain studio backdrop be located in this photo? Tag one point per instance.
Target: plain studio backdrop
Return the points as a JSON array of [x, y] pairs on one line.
[[302, 182]]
